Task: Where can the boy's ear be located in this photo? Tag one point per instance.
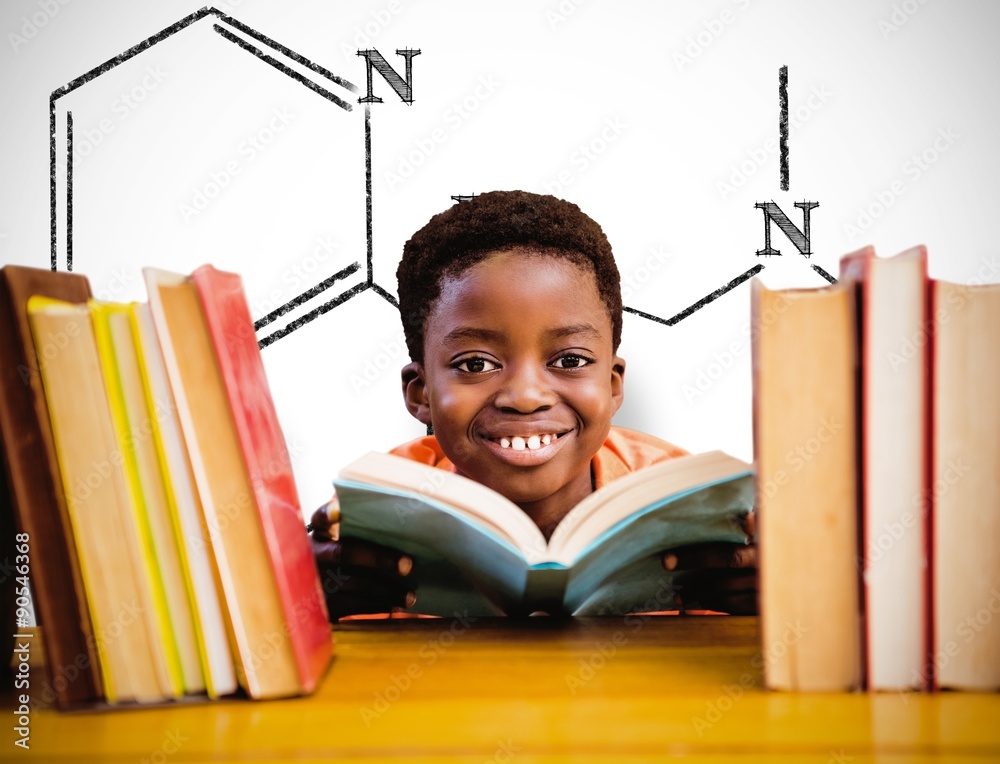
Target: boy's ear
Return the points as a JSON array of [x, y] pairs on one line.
[[415, 392], [617, 382]]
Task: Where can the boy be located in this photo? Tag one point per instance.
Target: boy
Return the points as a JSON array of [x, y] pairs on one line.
[[512, 314]]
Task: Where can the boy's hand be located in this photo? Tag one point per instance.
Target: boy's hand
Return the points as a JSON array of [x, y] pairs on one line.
[[357, 576], [719, 576]]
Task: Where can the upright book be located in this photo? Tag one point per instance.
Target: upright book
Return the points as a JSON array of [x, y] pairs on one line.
[[35, 495], [891, 295], [243, 476], [475, 550], [804, 370], [134, 412], [964, 485], [104, 531], [269, 465], [184, 510], [169, 617]]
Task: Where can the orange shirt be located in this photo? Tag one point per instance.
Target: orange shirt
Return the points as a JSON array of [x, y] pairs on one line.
[[623, 451]]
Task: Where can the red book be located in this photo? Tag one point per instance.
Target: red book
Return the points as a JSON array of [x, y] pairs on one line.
[[268, 464]]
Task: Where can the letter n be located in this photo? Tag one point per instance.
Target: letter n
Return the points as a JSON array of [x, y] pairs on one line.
[[403, 88], [799, 238]]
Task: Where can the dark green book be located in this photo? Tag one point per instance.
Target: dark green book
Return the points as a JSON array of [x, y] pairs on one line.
[[476, 551]]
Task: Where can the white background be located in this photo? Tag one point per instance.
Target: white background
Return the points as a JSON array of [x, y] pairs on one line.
[[676, 104]]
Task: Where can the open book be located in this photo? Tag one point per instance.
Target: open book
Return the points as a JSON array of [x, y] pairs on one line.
[[475, 550]]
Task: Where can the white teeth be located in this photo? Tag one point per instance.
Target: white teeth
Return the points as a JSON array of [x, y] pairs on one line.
[[531, 442]]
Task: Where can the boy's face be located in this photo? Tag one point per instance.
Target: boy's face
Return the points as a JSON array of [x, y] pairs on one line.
[[519, 378]]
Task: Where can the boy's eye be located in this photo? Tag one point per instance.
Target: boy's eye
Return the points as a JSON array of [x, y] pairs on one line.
[[476, 365], [571, 361]]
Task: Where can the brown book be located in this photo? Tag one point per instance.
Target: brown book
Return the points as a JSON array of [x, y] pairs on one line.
[[35, 497], [964, 485], [805, 452], [8, 586]]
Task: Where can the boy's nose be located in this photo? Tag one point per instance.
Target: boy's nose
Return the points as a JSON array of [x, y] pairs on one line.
[[525, 390]]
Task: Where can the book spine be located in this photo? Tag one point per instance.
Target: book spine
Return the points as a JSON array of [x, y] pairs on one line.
[[805, 447], [166, 658], [268, 464], [930, 518], [34, 502]]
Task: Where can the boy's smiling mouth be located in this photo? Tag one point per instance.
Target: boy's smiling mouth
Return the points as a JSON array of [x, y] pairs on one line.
[[527, 448]]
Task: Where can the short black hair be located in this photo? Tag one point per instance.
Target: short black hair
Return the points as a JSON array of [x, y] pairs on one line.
[[467, 232]]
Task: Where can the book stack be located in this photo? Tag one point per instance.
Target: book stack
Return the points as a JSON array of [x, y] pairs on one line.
[[148, 474], [877, 442]]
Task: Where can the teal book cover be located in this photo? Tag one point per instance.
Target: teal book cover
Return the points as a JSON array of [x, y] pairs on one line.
[[472, 551]]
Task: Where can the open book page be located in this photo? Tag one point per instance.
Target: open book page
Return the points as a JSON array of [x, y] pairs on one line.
[[501, 516], [602, 510], [450, 550], [621, 569]]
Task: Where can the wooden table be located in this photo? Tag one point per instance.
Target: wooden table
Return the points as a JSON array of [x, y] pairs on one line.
[[614, 690]]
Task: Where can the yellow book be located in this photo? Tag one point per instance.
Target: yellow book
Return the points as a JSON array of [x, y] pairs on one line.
[[89, 458], [184, 509], [159, 570]]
